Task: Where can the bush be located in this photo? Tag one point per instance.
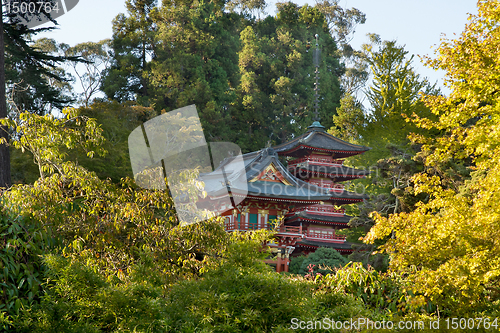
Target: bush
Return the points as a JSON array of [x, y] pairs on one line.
[[114, 224], [295, 264], [243, 300], [322, 261], [230, 299], [380, 291], [21, 271], [78, 299], [237, 301]]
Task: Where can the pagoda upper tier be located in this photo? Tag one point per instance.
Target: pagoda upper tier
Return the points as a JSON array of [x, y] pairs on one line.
[[325, 167], [268, 179], [317, 140]]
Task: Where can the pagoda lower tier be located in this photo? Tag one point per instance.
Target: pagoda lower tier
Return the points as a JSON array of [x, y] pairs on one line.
[[308, 215], [300, 231], [320, 224]]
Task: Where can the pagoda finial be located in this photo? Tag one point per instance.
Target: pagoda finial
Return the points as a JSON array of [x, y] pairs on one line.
[[316, 126], [316, 55]]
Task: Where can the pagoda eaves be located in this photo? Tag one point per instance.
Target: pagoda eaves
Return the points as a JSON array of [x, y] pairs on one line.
[[317, 140]]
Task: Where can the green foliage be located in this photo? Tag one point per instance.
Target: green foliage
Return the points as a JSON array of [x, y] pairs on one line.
[[47, 137], [286, 42], [342, 23], [394, 96], [78, 299], [245, 299], [383, 291], [349, 121], [94, 58], [237, 300], [106, 125], [451, 237], [368, 258], [113, 225], [250, 80], [132, 46], [31, 75], [295, 264], [196, 63], [236, 297], [23, 168], [322, 261], [117, 121], [21, 272]]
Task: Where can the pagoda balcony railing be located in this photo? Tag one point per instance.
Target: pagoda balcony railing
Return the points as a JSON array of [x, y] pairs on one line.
[[316, 160], [332, 186], [323, 209], [286, 229], [324, 236], [231, 226]]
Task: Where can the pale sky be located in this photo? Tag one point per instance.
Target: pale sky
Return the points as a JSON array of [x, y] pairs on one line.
[[418, 25]]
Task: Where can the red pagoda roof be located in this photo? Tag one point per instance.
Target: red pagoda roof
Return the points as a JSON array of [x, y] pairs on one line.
[[345, 247], [316, 139], [303, 216], [268, 179], [339, 172]]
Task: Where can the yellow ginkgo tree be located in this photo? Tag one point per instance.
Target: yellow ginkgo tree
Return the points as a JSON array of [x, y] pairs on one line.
[[449, 246]]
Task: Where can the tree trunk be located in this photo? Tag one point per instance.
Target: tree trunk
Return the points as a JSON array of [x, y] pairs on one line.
[[4, 134]]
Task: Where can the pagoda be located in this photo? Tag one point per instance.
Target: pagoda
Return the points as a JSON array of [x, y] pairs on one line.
[[306, 195], [317, 158], [308, 207]]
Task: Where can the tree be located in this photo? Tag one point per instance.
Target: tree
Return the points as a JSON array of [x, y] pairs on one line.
[[196, 63], [394, 96], [451, 238], [246, 7], [5, 180], [60, 78], [133, 47], [96, 59], [17, 57], [117, 121], [112, 222], [29, 71], [349, 120], [282, 86], [342, 24], [46, 136], [251, 80], [249, 96]]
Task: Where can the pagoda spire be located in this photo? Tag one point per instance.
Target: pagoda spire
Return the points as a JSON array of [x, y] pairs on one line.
[[316, 56], [316, 60]]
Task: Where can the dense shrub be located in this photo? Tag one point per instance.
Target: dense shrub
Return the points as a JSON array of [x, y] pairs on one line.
[[114, 225], [243, 300], [238, 301], [323, 260], [78, 299], [236, 297], [20, 268], [295, 264], [381, 291]]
